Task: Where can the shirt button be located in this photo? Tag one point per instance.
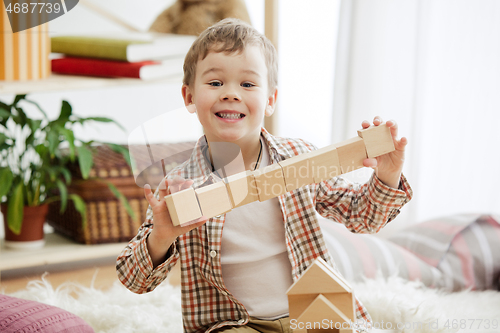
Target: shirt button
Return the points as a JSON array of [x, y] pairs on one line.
[[213, 253], [398, 201], [218, 216], [241, 321]]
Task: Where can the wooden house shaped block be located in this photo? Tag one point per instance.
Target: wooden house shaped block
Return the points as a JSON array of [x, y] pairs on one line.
[[321, 301]]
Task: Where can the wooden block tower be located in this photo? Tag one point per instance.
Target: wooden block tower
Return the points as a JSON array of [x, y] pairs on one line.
[[278, 178]]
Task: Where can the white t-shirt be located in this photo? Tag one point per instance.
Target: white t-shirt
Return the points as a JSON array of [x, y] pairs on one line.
[[255, 264]]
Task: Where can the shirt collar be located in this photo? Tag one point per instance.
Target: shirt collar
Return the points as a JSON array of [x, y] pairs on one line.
[[199, 168]]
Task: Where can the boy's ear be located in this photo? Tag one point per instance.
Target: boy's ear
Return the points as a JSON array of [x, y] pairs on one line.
[[187, 95], [271, 103]]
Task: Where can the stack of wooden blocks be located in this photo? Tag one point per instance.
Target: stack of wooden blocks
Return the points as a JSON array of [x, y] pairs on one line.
[[277, 179], [321, 300]]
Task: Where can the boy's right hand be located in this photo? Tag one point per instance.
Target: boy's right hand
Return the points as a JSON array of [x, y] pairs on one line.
[[164, 232]]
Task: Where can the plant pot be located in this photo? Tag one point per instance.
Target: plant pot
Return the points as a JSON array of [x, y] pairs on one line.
[[31, 236]]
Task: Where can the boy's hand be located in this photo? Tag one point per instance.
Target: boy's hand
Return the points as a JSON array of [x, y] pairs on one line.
[[164, 232], [388, 167]]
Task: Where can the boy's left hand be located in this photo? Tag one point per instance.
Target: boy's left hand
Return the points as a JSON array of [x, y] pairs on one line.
[[388, 167]]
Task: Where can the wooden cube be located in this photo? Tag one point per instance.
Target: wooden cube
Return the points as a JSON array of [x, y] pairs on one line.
[[270, 182], [325, 163], [241, 188], [378, 140], [352, 153], [183, 206], [297, 171], [213, 199]]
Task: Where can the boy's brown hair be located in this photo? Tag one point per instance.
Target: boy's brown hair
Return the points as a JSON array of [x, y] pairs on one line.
[[230, 35]]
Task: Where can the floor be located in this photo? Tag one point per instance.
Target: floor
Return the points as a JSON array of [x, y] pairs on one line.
[[102, 277]]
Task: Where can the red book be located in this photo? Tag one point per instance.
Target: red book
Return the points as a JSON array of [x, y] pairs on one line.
[[111, 68]]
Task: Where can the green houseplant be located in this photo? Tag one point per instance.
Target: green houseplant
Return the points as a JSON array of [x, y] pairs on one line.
[[35, 155]]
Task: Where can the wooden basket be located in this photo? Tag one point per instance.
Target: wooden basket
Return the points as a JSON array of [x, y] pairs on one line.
[[107, 218]]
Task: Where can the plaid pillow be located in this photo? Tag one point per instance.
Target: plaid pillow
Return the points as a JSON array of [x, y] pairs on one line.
[[464, 248], [360, 256]]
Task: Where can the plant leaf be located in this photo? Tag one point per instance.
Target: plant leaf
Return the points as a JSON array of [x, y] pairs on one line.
[[85, 160], [15, 209], [3, 138], [6, 178], [67, 174], [102, 120], [21, 119], [5, 113], [80, 208], [70, 137], [63, 192], [122, 199], [122, 150], [38, 107], [66, 111], [18, 98], [53, 140], [34, 126]]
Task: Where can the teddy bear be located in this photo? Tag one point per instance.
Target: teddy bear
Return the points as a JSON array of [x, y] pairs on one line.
[[191, 17]]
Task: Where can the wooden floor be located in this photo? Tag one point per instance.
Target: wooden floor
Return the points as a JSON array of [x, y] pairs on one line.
[[102, 278]]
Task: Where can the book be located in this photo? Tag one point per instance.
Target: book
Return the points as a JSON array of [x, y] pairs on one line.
[[132, 47], [145, 70]]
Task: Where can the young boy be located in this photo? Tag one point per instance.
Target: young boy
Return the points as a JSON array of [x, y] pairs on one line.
[[236, 267]]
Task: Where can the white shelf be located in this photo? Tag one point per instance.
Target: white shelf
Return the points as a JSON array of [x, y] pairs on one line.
[[57, 250], [70, 82]]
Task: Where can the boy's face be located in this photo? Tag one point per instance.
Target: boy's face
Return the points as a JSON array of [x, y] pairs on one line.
[[231, 95]]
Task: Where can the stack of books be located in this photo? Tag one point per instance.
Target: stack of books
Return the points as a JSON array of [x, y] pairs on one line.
[[136, 55]]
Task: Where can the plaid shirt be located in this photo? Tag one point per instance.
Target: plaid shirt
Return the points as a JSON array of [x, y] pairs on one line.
[[206, 303]]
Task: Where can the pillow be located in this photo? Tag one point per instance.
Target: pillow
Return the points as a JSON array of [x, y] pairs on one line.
[[19, 315], [359, 256], [465, 248]]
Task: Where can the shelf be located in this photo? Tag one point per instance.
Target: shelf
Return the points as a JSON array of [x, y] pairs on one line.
[[57, 82], [57, 250]]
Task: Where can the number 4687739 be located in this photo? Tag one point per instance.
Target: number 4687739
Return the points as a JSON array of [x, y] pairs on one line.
[[26, 8], [471, 324]]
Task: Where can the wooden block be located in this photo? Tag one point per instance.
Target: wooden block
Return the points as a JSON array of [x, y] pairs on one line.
[[352, 153], [213, 199], [183, 206], [319, 310], [270, 182], [319, 278], [297, 171], [325, 163], [343, 301], [378, 140], [241, 188]]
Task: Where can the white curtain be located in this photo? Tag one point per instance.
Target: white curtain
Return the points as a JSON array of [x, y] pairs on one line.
[[433, 66]]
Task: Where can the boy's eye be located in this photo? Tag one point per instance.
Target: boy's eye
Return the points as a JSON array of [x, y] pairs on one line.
[[247, 85], [215, 83]]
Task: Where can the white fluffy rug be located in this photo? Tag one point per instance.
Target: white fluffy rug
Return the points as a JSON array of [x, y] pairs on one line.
[[393, 303]]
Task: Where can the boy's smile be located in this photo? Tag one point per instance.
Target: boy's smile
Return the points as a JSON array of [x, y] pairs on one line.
[[231, 94]]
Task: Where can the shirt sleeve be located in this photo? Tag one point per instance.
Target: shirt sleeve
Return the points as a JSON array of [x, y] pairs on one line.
[[134, 266], [362, 208]]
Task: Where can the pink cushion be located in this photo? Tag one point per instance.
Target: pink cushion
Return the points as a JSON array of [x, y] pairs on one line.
[[360, 256], [20, 315], [465, 248]]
